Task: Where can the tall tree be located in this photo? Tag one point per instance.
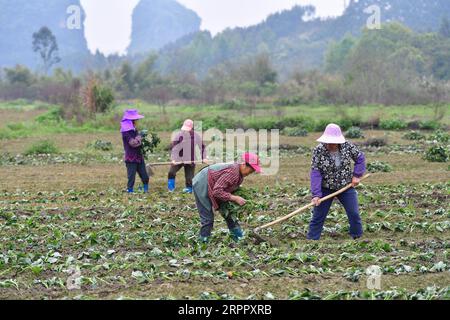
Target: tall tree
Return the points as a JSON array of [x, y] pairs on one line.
[[44, 43]]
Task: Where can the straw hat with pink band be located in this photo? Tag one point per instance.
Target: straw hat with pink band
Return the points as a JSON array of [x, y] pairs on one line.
[[253, 160], [332, 135], [188, 125]]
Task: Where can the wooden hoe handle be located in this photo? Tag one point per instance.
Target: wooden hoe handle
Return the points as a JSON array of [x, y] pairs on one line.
[[307, 207]]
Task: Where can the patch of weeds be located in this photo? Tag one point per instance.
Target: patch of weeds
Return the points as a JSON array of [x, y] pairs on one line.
[[414, 135], [379, 166], [101, 145], [354, 133], [437, 153], [42, 147], [295, 132]]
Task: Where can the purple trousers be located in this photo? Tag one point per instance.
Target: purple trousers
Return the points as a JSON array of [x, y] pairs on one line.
[[349, 200]]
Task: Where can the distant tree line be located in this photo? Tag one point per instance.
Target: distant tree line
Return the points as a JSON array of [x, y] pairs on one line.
[[390, 66]]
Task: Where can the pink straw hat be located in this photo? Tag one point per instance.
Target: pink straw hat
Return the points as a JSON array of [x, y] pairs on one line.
[[333, 135], [132, 114], [188, 125], [253, 160]]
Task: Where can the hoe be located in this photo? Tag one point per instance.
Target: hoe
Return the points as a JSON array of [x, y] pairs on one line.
[[260, 239]]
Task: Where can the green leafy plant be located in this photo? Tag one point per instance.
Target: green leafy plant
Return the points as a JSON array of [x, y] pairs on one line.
[[42, 147], [295, 132], [354, 133], [393, 124], [439, 136], [414, 135], [437, 153], [429, 125], [376, 142], [150, 142], [101, 145], [379, 166], [236, 211]]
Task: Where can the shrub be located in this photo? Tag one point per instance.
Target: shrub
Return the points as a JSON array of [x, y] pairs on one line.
[[259, 124], [439, 136], [295, 122], [103, 97], [289, 101], [235, 104], [295, 132], [16, 126], [101, 145], [354, 133], [378, 166], [42, 147], [50, 117], [97, 97], [437, 153], [414, 135], [393, 124], [347, 123], [429, 125], [219, 122], [321, 125], [376, 142]]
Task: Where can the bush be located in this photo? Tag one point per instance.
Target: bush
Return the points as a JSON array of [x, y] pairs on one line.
[[437, 153], [103, 97], [376, 142], [393, 124], [439, 136], [16, 126], [289, 101], [321, 125], [101, 145], [295, 122], [219, 122], [295, 132], [235, 104], [50, 117], [414, 135], [42, 147], [378, 166], [429, 125], [354, 133]]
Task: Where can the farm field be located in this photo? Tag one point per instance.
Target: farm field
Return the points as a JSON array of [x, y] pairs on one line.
[[68, 211]]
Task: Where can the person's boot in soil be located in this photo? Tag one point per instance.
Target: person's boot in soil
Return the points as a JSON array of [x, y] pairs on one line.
[[237, 234], [171, 185]]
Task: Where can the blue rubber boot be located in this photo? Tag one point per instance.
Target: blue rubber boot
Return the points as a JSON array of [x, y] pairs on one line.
[[203, 239], [187, 190], [171, 185], [236, 234], [146, 188], [130, 190]]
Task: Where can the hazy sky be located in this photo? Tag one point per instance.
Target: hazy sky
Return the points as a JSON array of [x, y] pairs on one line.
[[108, 22]]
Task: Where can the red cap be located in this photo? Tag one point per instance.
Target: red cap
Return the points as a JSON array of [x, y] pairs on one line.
[[253, 160]]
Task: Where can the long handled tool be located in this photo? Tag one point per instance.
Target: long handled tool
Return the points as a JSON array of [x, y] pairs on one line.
[[161, 164], [282, 219]]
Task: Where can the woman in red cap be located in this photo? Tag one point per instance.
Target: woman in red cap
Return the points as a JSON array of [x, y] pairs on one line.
[[183, 155], [214, 185]]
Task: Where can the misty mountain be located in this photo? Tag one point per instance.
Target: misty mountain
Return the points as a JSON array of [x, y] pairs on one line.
[[159, 22], [155, 24], [293, 38], [19, 19]]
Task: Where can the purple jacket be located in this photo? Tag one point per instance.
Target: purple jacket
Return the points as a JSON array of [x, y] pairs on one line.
[[132, 144], [325, 174]]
